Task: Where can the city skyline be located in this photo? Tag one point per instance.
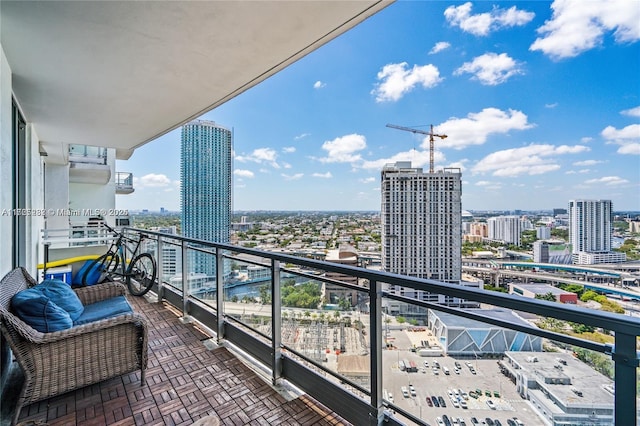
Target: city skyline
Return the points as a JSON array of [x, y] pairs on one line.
[[534, 118]]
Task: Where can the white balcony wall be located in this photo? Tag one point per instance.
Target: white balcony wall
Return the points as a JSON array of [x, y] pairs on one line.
[[35, 200], [56, 194]]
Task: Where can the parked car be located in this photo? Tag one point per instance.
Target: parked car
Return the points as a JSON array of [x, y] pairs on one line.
[[435, 401], [412, 390], [429, 403], [489, 421], [442, 403], [474, 421], [491, 404]]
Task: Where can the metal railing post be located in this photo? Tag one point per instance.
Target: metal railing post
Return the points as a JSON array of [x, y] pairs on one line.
[[219, 295], [160, 258], [185, 283], [626, 360], [276, 321], [375, 341]]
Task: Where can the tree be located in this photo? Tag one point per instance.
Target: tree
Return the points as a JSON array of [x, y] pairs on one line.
[[401, 320], [344, 304], [265, 294], [581, 328], [548, 296]]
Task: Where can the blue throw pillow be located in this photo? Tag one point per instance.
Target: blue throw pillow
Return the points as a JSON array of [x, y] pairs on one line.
[[62, 295], [40, 312]]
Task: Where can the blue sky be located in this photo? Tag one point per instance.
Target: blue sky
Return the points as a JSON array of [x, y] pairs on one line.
[[540, 102]]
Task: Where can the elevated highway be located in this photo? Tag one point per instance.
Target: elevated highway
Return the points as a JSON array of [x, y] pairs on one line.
[[598, 279]]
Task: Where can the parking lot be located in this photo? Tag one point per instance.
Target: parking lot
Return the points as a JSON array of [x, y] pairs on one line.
[[497, 400]]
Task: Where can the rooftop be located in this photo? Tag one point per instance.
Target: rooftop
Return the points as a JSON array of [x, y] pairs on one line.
[[562, 365], [454, 321]]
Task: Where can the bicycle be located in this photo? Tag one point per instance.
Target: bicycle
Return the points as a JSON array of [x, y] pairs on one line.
[[139, 273]]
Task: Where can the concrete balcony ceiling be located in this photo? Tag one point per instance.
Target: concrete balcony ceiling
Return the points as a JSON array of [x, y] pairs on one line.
[[120, 74]]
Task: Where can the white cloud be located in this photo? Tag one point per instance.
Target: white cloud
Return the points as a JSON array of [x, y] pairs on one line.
[[243, 173], [491, 69], [439, 47], [551, 106], [395, 80], [261, 156], [153, 180], [529, 160], [628, 138], [476, 127], [586, 139], [319, 85], [632, 112], [630, 148], [607, 180], [288, 149], [483, 23], [301, 136], [368, 180], [577, 26], [344, 149], [327, 175], [292, 177], [587, 163]]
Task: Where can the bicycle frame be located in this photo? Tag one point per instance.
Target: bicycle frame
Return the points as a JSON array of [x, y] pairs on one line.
[[120, 247]]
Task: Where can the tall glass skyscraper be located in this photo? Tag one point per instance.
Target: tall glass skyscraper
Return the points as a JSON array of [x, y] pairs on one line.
[[205, 173]]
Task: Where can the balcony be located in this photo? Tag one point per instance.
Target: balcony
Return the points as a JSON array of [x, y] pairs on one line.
[[88, 164], [218, 352], [124, 183]]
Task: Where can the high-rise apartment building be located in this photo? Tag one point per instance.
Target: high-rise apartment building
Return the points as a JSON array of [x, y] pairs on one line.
[[507, 229], [590, 232], [205, 172], [421, 218]]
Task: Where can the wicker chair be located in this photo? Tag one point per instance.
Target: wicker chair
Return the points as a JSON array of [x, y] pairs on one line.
[[55, 363]]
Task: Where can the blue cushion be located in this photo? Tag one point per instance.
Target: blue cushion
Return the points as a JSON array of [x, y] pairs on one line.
[[104, 309], [62, 295], [40, 312]]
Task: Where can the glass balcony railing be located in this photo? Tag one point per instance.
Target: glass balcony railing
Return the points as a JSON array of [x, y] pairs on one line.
[[87, 154], [512, 361], [124, 182]]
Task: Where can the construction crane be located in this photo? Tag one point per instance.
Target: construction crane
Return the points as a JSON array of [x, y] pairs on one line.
[[431, 135]]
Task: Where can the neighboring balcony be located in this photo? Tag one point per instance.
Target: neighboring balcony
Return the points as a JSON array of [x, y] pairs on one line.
[[88, 164], [124, 183]]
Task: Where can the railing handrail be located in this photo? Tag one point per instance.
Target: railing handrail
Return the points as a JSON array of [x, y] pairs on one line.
[[272, 351], [607, 320]]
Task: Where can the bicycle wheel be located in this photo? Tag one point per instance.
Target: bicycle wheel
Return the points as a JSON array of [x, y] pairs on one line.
[[100, 268], [141, 274]]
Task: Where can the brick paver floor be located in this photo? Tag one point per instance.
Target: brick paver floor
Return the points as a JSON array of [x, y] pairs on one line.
[[184, 381]]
